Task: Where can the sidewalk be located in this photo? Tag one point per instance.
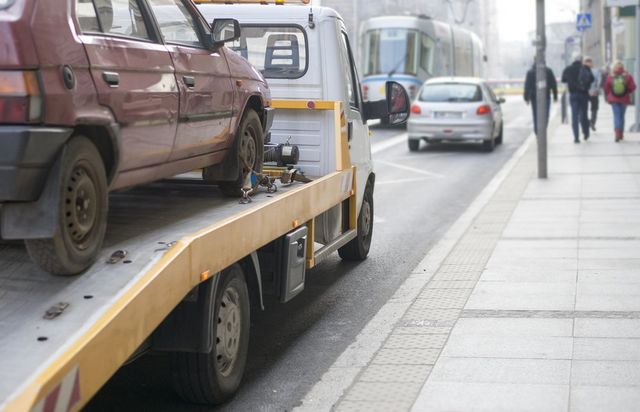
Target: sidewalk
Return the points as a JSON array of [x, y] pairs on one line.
[[537, 304]]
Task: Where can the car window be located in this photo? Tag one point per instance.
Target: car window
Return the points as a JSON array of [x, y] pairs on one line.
[[118, 17], [177, 25], [279, 52], [451, 92], [87, 16]]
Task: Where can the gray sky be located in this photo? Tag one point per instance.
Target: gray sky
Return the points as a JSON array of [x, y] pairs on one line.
[[516, 18]]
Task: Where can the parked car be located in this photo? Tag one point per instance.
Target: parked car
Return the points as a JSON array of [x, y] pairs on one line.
[[99, 95], [455, 109]]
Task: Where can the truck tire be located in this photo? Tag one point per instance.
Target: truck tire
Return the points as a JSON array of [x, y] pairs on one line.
[[249, 149], [414, 145], [82, 220], [358, 248], [214, 377]]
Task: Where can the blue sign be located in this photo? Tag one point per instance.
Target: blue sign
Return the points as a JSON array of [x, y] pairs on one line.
[[583, 21]]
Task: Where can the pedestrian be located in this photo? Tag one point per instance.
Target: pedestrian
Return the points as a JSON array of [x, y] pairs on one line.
[[618, 89], [578, 78], [594, 92], [530, 93]]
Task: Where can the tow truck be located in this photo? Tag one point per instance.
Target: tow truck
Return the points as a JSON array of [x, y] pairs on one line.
[[181, 264]]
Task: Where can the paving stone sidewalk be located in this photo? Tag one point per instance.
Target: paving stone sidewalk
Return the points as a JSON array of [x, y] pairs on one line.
[[537, 307]]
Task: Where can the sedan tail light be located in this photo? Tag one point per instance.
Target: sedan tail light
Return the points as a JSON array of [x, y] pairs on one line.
[[20, 97], [415, 109], [484, 109]]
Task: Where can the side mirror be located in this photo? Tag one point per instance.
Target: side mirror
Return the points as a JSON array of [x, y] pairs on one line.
[[224, 31], [501, 100], [395, 107], [398, 103]]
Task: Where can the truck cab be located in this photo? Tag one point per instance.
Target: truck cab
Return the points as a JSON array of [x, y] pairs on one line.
[[305, 53]]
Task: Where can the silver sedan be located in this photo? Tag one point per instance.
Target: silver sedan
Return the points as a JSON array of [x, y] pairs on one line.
[[455, 109]]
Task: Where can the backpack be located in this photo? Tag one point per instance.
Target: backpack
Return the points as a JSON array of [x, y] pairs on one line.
[[619, 85], [585, 78]]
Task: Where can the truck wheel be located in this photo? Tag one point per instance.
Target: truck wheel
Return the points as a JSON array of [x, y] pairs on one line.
[[214, 377], [82, 219], [358, 248], [414, 145], [249, 149]]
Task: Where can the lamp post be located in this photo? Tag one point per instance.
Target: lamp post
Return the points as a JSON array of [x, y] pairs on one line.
[[541, 90]]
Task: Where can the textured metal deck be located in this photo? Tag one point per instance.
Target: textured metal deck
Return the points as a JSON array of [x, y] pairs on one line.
[[141, 221]]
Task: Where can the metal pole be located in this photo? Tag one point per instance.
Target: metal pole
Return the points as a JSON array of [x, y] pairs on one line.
[[541, 93], [636, 126]]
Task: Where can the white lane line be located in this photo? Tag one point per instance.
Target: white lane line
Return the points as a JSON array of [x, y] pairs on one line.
[[399, 181], [392, 141], [411, 169]]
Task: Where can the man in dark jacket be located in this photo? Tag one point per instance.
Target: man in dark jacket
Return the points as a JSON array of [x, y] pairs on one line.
[[530, 93], [578, 78]]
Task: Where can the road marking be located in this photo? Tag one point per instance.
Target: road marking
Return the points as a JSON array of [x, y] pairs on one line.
[[400, 181], [392, 141], [378, 219], [411, 169]]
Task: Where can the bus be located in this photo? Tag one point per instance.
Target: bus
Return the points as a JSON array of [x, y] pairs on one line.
[[411, 49]]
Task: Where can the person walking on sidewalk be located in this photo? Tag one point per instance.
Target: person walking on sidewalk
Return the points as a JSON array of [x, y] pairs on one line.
[[530, 93], [594, 92], [579, 79], [618, 89]]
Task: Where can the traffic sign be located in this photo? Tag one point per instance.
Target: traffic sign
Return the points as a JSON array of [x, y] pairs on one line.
[[583, 21]]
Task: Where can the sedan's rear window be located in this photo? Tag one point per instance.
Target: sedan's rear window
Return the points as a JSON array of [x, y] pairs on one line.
[[451, 92], [279, 52]]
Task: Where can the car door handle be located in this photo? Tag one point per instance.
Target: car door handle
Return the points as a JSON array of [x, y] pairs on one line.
[[349, 131], [111, 78], [189, 81]]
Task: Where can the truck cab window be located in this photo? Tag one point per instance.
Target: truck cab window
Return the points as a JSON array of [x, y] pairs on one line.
[[351, 77]]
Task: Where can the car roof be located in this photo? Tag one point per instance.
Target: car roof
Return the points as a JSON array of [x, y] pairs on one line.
[[455, 79]]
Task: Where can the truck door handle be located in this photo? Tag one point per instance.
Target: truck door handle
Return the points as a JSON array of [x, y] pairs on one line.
[[189, 81], [111, 78]]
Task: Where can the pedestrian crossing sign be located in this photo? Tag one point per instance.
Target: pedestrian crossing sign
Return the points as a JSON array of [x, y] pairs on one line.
[[583, 21]]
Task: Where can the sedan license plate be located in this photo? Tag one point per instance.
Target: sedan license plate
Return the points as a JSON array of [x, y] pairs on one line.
[[448, 115]]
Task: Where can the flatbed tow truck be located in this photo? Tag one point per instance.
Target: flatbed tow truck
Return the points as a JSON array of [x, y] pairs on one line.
[[181, 263]]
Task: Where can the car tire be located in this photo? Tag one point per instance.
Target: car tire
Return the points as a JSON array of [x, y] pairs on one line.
[[489, 145], [499, 138], [358, 248], [414, 145], [249, 149], [82, 220], [214, 377]]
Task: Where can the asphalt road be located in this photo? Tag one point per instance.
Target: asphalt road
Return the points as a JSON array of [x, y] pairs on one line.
[[417, 197]]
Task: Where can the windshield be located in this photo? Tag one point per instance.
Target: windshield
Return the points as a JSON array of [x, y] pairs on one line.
[[451, 92], [279, 52], [391, 51]]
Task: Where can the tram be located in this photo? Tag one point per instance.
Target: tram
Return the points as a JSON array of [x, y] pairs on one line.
[[411, 49]]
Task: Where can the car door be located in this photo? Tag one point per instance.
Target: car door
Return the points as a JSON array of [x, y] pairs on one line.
[[134, 77], [202, 75]]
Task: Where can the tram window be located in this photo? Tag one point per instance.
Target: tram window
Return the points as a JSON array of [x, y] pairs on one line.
[[391, 51], [427, 48]]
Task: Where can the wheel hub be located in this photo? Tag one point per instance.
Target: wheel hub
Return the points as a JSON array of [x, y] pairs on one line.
[[228, 331], [248, 151], [366, 217], [80, 206]]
